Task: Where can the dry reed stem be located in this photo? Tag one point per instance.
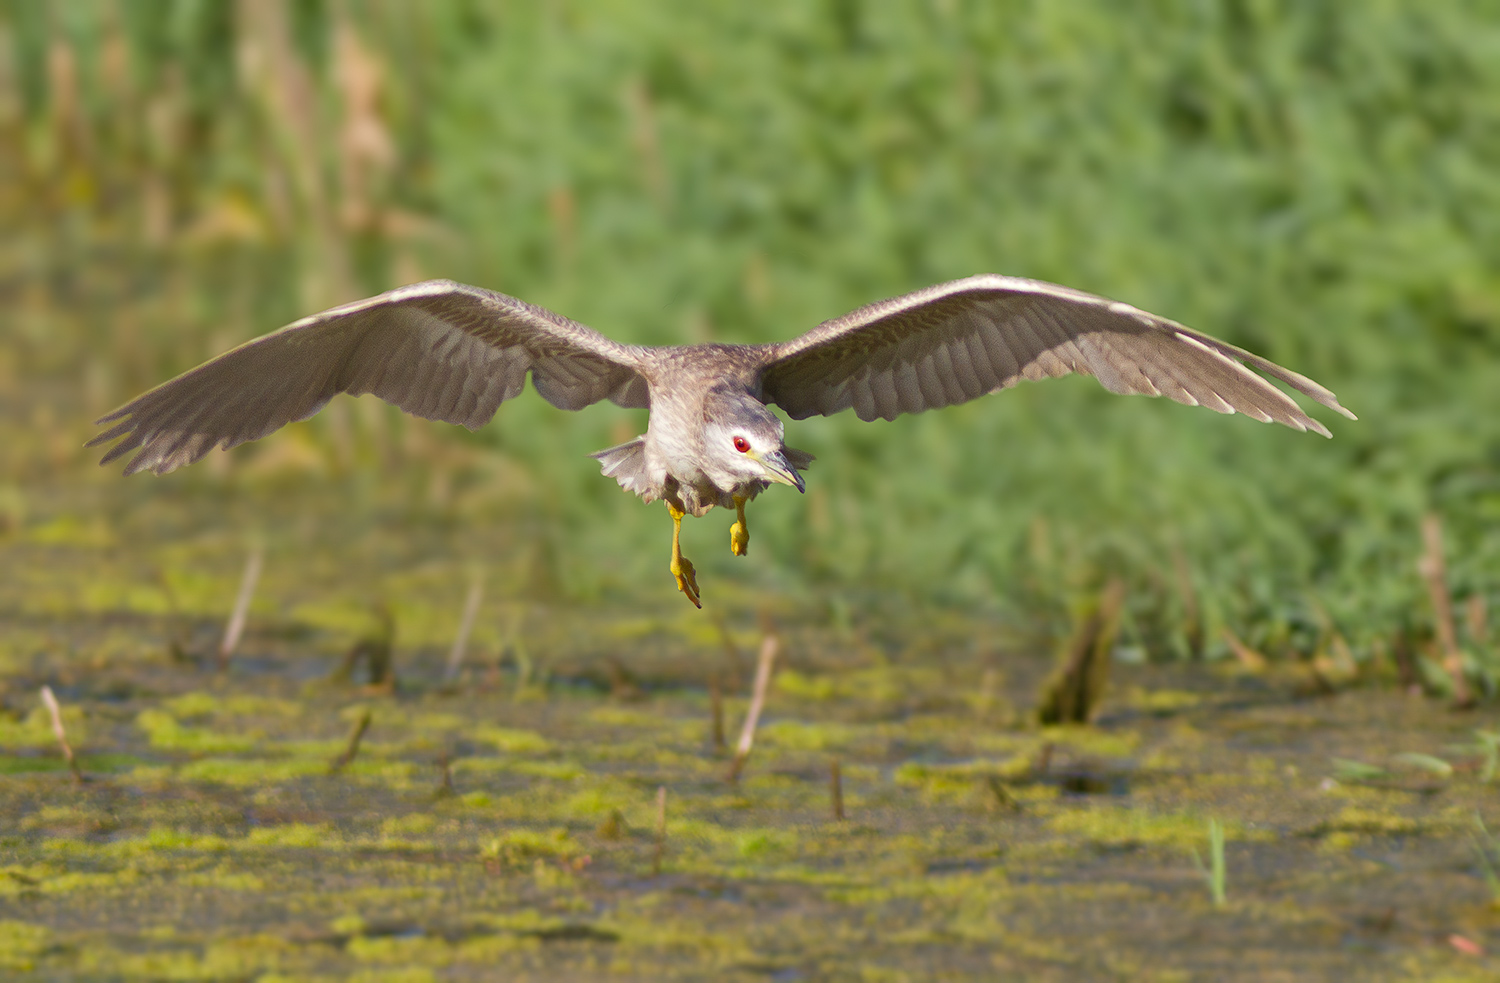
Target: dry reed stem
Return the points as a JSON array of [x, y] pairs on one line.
[[1073, 694], [55, 711], [770, 645], [465, 628], [836, 789], [1250, 659], [355, 736], [236, 626], [1434, 570], [661, 830]]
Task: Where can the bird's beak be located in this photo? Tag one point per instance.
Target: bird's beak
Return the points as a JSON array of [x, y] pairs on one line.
[[780, 470]]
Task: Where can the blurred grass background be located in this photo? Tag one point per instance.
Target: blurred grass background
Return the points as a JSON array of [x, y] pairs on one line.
[[1315, 181]]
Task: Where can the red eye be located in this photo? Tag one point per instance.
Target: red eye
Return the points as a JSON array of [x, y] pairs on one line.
[[742, 445]]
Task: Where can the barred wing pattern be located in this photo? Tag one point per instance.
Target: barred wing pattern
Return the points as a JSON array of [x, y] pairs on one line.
[[439, 349], [957, 341]]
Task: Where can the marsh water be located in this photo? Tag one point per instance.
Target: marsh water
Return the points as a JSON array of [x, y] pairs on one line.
[[505, 825]]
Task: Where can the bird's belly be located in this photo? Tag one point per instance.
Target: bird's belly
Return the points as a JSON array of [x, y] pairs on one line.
[[694, 494], [683, 486], [696, 497]]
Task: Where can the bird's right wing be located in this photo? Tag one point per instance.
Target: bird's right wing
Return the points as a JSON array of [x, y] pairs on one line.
[[958, 341], [439, 349]]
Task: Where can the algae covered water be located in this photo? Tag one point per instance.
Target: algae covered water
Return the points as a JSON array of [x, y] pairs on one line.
[[507, 825]]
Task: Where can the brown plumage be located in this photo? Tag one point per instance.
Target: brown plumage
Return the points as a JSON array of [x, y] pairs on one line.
[[446, 351]]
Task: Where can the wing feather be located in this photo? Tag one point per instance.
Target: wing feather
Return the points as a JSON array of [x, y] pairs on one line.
[[1002, 359], [887, 399], [440, 350], [929, 386], [978, 361], [957, 341]]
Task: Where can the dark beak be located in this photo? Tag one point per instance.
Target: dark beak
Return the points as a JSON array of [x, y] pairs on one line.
[[779, 469]]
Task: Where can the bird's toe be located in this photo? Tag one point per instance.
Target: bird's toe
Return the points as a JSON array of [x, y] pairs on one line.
[[687, 579]]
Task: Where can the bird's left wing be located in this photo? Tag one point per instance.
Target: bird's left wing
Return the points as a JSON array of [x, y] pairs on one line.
[[440, 350], [957, 341]]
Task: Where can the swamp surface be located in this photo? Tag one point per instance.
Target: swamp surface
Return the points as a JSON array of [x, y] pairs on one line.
[[505, 826]]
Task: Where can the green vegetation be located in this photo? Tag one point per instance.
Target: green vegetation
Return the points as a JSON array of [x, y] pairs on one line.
[[1215, 872], [1309, 180], [1313, 180]]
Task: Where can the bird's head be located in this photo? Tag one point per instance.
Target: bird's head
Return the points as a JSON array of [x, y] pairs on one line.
[[744, 442]]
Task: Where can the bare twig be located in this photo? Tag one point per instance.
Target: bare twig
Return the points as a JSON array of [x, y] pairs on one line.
[[836, 789], [769, 646], [661, 830], [236, 626], [1434, 571], [355, 736], [716, 712], [55, 712], [465, 627]]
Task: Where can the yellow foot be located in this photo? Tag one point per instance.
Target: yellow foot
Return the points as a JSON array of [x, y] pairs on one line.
[[682, 567], [739, 533], [687, 579]]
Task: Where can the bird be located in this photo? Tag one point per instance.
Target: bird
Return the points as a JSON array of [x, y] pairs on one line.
[[448, 351]]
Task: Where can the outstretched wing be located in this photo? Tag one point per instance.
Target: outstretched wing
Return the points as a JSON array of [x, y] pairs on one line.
[[440, 350], [960, 340]]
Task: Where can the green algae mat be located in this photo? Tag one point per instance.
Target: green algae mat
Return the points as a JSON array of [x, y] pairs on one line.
[[561, 810]]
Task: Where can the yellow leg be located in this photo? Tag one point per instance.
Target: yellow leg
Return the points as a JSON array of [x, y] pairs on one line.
[[682, 567], [739, 533]]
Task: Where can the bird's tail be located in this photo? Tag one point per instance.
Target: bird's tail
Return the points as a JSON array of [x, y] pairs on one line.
[[626, 463]]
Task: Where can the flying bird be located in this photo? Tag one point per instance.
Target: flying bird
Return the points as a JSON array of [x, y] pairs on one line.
[[448, 351]]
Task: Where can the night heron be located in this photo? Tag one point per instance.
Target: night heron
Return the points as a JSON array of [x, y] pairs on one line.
[[446, 351]]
